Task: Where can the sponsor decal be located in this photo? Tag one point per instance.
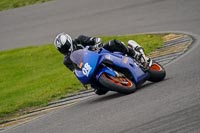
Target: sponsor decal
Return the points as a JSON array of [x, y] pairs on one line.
[[86, 69]]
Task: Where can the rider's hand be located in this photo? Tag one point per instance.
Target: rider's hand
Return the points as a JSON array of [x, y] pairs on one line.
[[98, 42]]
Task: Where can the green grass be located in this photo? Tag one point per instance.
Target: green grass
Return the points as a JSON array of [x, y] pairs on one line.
[[149, 41], [34, 76], [8, 4]]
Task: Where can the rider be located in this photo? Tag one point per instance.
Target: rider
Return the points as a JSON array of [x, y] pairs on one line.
[[66, 45]]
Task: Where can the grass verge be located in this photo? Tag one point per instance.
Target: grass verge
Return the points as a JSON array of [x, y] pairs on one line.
[[33, 76], [9, 4]]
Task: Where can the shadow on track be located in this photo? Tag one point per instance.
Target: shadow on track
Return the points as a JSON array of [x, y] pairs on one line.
[[115, 95], [107, 97], [148, 84]]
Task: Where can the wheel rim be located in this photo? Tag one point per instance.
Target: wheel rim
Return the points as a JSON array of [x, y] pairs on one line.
[[156, 67], [122, 81]]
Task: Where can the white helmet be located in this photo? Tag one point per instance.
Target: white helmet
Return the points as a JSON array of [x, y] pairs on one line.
[[64, 43]]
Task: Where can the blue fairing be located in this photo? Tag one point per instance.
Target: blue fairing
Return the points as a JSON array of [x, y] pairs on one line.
[[106, 70], [124, 62], [91, 60]]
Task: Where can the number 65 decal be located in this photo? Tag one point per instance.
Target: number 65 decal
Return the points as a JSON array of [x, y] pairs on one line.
[[86, 69]]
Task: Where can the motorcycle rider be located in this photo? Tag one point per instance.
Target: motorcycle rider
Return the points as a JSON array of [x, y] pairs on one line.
[[66, 45]]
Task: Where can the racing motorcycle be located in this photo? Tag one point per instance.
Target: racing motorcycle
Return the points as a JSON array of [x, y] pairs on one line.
[[113, 71]]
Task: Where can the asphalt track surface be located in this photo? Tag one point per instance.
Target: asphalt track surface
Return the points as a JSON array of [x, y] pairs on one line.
[[172, 105]]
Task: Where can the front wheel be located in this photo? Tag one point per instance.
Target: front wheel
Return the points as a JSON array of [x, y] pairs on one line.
[[118, 84], [156, 72]]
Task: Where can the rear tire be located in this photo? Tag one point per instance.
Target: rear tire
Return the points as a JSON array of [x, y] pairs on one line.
[[122, 85], [156, 72]]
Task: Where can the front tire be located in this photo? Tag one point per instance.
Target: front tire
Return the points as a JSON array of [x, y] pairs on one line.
[[156, 72], [119, 84]]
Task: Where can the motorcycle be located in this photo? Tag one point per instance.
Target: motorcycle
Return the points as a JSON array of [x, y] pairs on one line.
[[113, 71]]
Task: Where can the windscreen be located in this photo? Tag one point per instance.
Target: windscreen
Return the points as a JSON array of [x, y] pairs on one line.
[[77, 56]]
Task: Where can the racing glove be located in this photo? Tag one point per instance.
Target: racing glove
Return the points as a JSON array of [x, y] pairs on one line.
[[98, 42]]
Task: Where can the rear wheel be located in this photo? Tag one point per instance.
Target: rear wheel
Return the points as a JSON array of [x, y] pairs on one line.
[[157, 72], [119, 84]]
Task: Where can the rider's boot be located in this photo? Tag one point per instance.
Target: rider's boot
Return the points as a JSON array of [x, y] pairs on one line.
[[138, 52]]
